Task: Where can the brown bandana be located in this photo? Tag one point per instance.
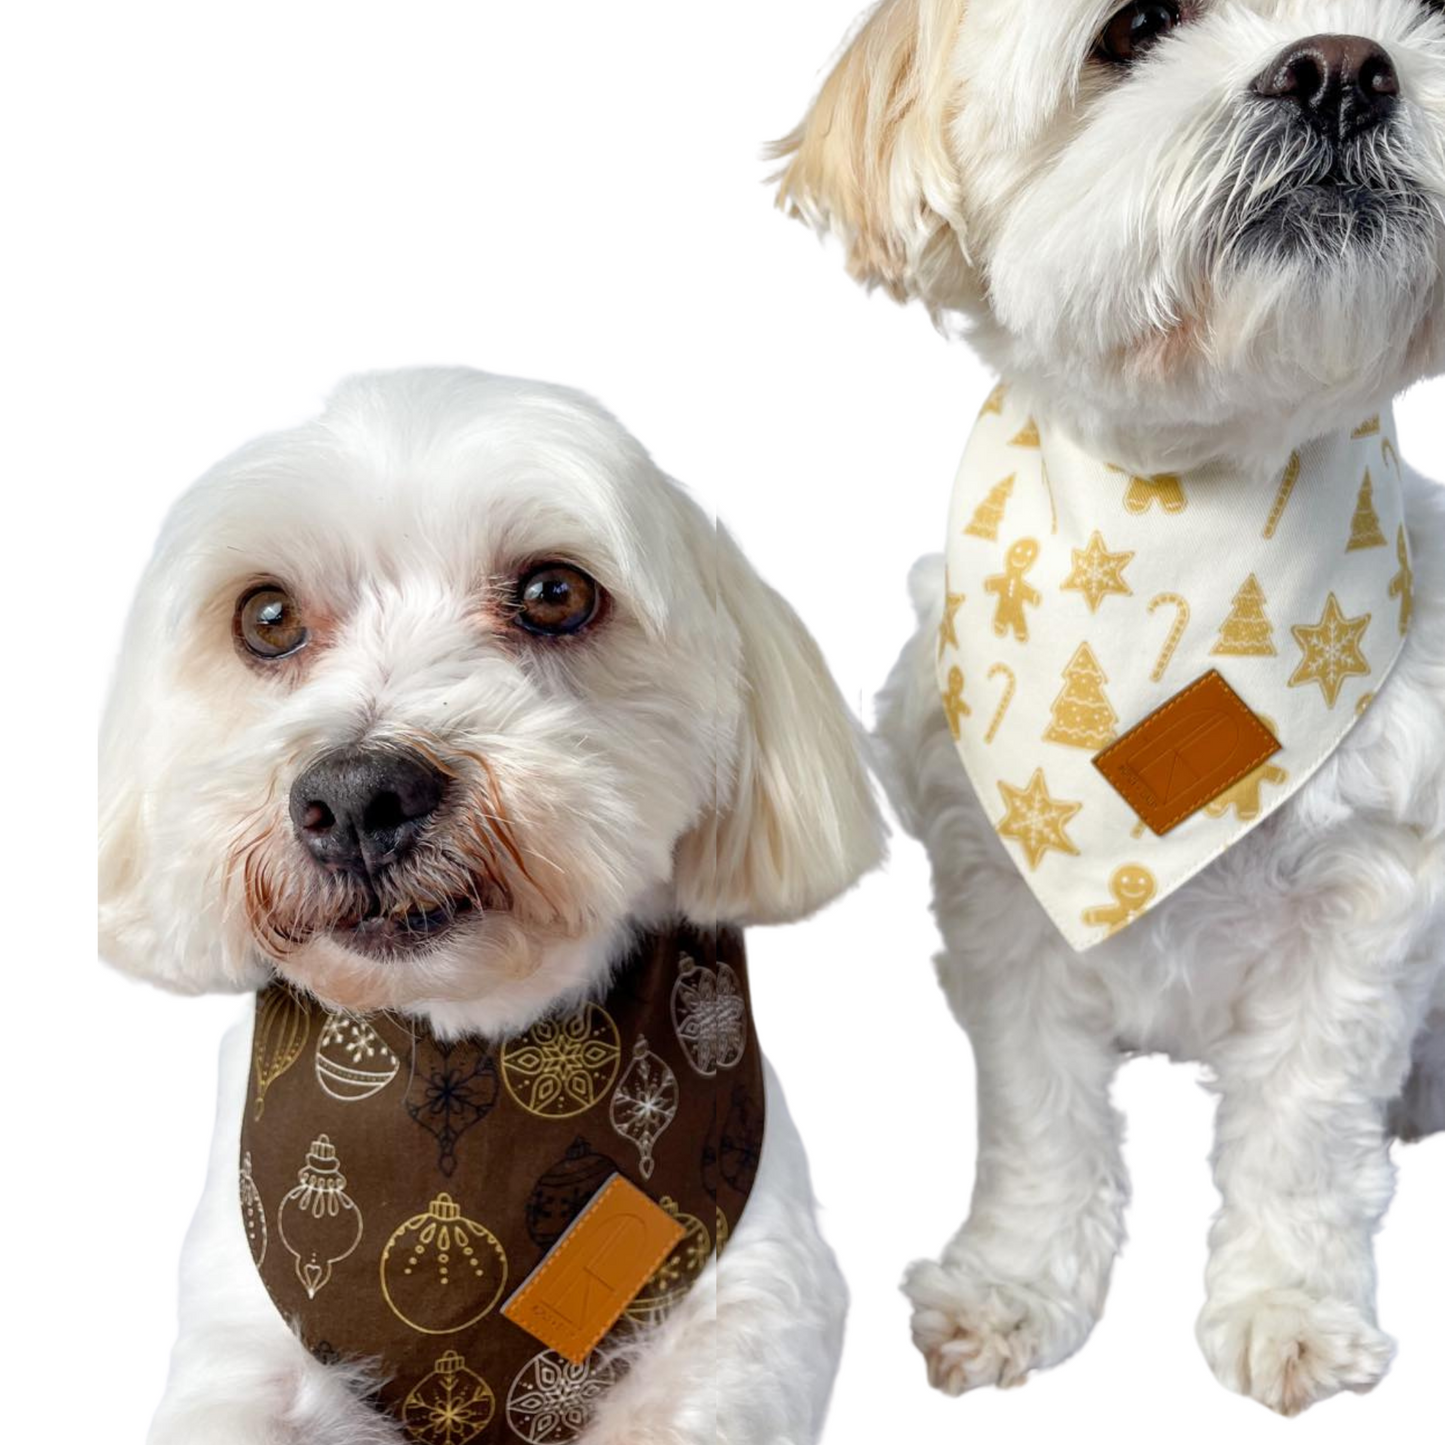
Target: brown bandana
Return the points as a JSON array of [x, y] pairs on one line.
[[397, 1189]]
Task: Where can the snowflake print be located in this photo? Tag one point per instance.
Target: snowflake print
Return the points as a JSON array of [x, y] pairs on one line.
[[551, 1400], [563, 1066], [709, 1017]]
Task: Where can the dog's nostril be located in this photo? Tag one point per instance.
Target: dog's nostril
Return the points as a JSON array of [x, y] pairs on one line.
[[317, 817], [384, 813]]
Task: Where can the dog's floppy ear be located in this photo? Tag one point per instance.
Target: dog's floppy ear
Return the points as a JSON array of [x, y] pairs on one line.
[[156, 922], [871, 161], [795, 822]]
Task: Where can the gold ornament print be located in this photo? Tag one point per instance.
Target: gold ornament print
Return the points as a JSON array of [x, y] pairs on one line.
[[283, 1020], [1365, 527], [1133, 887], [1166, 491], [994, 405], [1028, 437], [1370, 428], [552, 1400], [1082, 714], [1402, 584], [253, 1213], [988, 516], [723, 1231], [948, 628], [1287, 485], [1176, 632], [1011, 683], [1247, 631], [677, 1273], [563, 1066], [352, 1061], [1013, 592], [1332, 651], [1098, 573], [953, 703], [440, 1271], [1035, 821], [645, 1103], [318, 1222], [451, 1406], [1245, 796]]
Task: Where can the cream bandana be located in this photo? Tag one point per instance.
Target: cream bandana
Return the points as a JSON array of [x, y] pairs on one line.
[[1081, 599]]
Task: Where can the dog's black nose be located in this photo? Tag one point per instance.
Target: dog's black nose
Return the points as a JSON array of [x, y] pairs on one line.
[[1343, 84], [362, 809]]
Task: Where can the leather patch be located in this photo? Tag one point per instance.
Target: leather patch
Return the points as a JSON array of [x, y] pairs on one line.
[[595, 1270], [1184, 756]]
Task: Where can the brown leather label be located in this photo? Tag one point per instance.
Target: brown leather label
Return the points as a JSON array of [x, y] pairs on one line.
[[1184, 756], [595, 1270]]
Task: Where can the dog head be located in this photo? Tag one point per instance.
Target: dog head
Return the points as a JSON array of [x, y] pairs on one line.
[[420, 701], [1200, 219]]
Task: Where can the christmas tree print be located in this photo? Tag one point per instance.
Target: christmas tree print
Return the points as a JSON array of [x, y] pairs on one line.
[[1082, 715], [1365, 528], [989, 516], [1247, 631]]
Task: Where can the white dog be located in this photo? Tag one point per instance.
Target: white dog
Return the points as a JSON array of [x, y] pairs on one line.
[[646, 732], [1190, 234]]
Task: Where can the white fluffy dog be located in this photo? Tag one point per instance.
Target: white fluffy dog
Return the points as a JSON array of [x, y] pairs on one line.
[[682, 750], [1176, 268]]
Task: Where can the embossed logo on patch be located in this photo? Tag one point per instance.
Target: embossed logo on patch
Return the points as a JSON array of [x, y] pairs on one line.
[[595, 1270], [1187, 754]]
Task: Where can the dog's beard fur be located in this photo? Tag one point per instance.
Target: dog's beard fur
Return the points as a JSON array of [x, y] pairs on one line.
[[495, 901], [1176, 267]]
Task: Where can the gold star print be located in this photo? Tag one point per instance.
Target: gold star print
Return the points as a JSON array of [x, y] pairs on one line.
[[1099, 573], [948, 628], [1036, 821], [1331, 650]]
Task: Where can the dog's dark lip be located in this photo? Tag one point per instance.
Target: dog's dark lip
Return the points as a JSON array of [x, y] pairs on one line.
[[1331, 211], [389, 935]]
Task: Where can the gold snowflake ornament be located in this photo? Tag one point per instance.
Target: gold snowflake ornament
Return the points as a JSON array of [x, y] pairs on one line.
[[1099, 573], [563, 1066], [1332, 651], [1036, 821]]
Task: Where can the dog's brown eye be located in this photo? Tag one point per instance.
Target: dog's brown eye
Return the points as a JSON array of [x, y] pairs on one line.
[[269, 624], [1135, 28], [556, 600]]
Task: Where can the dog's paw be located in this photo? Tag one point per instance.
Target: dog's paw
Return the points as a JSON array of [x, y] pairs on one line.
[[973, 1331], [1289, 1351]]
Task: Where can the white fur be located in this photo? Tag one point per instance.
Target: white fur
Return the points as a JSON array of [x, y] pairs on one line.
[[689, 754], [1080, 223]]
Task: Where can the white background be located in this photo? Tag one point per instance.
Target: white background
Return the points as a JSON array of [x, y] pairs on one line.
[[222, 209]]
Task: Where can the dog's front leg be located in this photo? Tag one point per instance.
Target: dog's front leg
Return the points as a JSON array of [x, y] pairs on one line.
[[1320, 1047], [1023, 1282]]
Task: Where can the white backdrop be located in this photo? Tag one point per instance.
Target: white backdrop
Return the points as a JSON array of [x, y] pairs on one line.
[[219, 210]]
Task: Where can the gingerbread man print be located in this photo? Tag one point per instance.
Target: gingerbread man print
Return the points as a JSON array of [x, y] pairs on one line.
[[1133, 887], [1013, 592]]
